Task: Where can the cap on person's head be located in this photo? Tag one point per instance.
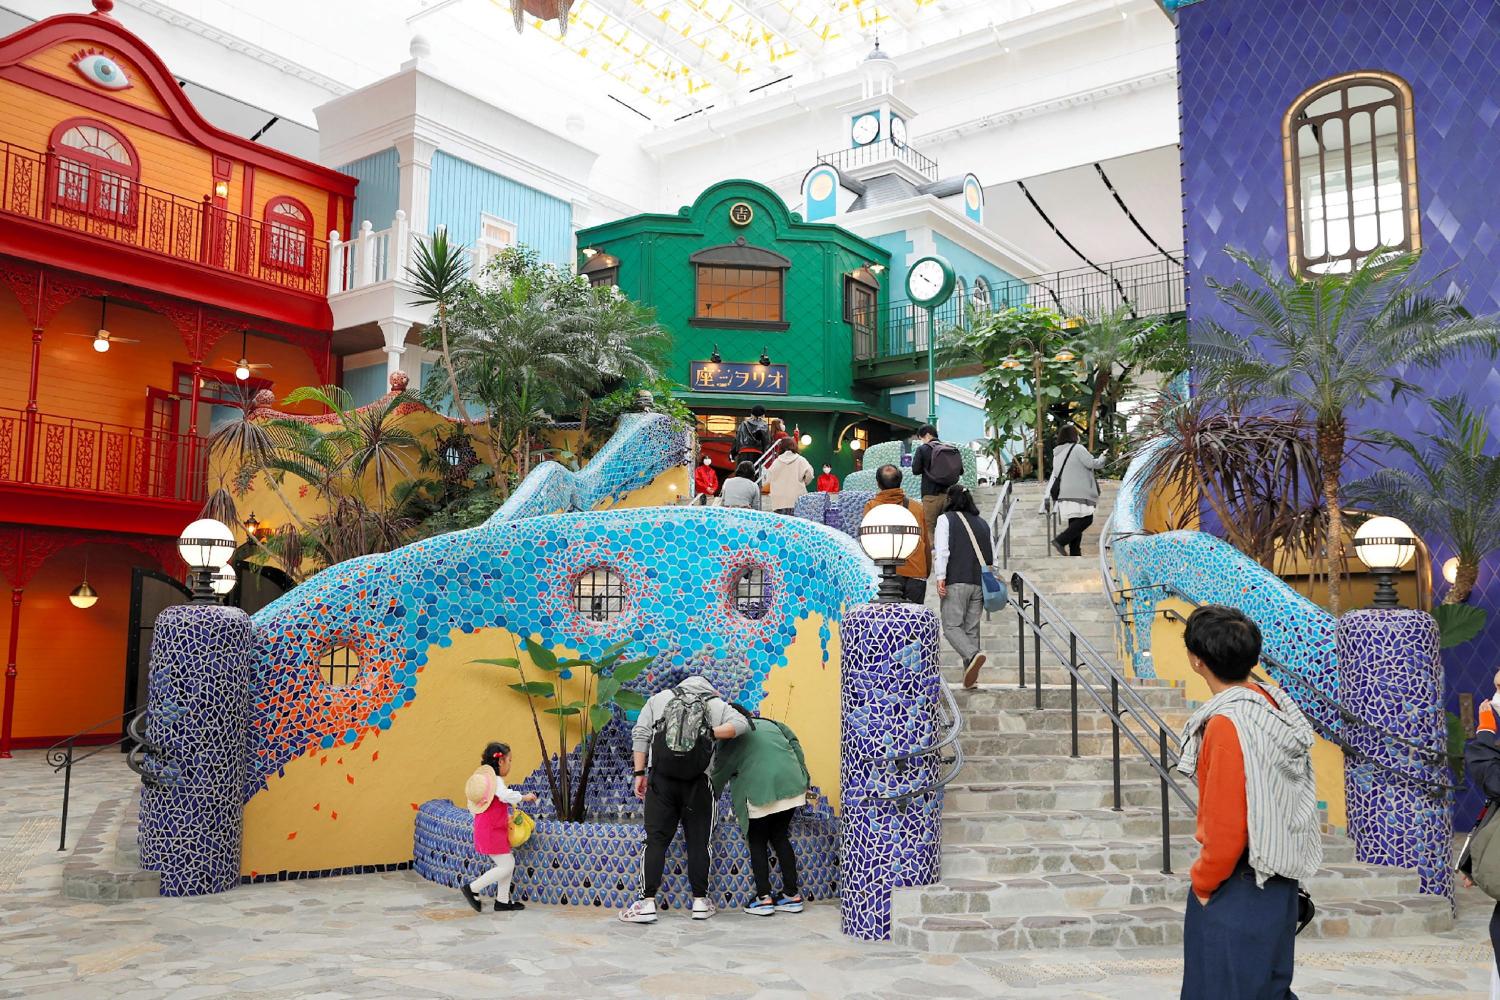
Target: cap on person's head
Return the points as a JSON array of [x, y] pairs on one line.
[[757, 410], [888, 477], [926, 431], [1225, 639]]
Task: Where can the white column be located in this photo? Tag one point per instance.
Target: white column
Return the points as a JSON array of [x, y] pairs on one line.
[[415, 166], [394, 333], [335, 264], [364, 267]]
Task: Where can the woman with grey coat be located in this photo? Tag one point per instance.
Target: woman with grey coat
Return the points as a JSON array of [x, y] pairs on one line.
[[741, 489], [1077, 492]]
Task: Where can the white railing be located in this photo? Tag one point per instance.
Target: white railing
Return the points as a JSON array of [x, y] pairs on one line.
[[374, 256]]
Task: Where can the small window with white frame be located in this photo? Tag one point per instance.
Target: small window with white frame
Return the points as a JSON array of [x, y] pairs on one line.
[[495, 236]]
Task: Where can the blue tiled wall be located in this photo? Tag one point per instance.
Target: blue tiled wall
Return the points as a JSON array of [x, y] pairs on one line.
[[461, 192], [377, 196], [1241, 64]]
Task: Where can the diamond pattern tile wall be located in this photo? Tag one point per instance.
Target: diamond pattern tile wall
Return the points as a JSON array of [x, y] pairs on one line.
[[1241, 63]]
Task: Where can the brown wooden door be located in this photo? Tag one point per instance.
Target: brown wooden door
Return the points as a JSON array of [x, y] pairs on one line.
[[162, 470]]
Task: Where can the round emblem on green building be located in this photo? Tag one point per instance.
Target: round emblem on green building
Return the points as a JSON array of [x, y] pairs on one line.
[[740, 213]]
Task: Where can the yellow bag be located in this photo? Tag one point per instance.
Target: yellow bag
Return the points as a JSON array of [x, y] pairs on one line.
[[521, 827]]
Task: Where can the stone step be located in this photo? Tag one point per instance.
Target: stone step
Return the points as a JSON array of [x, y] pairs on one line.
[[1033, 768], [1059, 824], [1060, 720], [966, 797], [983, 861], [1000, 697], [1154, 925], [1048, 744], [1063, 893], [104, 864]]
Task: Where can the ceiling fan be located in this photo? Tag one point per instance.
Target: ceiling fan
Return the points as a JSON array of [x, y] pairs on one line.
[[104, 338], [242, 366]]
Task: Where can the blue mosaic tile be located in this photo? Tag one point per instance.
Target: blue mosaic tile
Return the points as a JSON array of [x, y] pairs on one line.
[[895, 453]]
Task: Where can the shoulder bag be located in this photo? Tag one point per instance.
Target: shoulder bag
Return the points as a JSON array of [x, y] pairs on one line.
[[994, 594]]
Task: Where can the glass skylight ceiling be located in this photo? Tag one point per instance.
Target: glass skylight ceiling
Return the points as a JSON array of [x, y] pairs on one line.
[[674, 57]]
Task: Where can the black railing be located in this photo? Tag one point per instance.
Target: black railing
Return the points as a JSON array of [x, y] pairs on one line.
[[1129, 714], [63, 755], [879, 152], [1329, 719], [948, 750]]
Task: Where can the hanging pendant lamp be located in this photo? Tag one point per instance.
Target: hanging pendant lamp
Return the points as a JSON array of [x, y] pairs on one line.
[[84, 596]]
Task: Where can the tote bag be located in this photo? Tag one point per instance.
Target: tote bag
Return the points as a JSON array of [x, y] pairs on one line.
[[994, 594]]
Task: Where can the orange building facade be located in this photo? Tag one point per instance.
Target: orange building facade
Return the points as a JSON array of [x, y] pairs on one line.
[[144, 255]]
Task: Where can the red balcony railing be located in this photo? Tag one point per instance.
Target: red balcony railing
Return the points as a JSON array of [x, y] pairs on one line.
[[88, 456], [53, 190]]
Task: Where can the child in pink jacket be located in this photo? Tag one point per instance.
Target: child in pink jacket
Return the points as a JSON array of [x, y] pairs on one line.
[[490, 802]]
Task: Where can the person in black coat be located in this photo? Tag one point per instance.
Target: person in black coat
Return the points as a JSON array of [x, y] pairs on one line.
[[1482, 765]]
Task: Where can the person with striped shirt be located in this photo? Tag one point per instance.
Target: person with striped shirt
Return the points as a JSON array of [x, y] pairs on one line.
[[1258, 824]]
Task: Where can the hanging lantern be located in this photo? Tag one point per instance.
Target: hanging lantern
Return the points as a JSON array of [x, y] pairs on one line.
[[84, 596]]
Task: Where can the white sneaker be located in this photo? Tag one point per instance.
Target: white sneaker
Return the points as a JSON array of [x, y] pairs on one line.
[[703, 909], [642, 911]]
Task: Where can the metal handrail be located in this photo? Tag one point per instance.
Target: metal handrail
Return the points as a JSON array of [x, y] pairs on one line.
[[1437, 788], [956, 725], [1000, 526], [63, 755], [1081, 653]]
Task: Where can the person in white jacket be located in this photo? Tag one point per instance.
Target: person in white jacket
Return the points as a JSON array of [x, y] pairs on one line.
[[788, 476]]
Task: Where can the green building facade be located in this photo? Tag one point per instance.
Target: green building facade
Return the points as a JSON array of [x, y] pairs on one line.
[[737, 279]]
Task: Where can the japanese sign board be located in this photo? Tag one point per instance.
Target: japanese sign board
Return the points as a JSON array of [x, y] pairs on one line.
[[736, 376]]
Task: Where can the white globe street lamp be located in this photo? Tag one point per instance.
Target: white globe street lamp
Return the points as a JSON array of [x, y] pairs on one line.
[[889, 534], [205, 545], [1386, 545], [223, 580]]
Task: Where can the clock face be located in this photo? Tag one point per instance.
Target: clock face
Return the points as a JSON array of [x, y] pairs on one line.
[[898, 130], [929, 282], [865, 129]]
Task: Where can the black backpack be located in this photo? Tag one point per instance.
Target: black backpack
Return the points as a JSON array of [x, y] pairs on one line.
[[752, 435], [683, 744], [945, 465]]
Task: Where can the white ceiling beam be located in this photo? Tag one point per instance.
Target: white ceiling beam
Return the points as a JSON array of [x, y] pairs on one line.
[[655, 30]]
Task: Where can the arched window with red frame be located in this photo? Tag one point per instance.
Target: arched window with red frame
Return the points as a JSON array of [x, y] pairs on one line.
[[287, 241], [95, 171]]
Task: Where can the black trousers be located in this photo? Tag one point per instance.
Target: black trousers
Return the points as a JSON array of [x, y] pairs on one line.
[[772, 831], [671, 802], [914, 590], [1240, 946], [1072, 536]]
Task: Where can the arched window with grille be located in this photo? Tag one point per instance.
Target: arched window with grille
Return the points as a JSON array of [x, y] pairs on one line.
[[979, 297], [287, 240], [1351, 172], [95, 171]]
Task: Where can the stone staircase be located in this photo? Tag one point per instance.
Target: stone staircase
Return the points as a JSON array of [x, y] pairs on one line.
[[1034, 855]]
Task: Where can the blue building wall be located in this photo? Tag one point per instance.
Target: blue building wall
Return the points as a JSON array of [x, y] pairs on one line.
[[366, 384], [461, 192], [969, 265], [1241, 65], [957, 421], [378, 195]]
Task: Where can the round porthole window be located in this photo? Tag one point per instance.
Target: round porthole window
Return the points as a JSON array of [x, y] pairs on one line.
[[599, 594], [750, 592]]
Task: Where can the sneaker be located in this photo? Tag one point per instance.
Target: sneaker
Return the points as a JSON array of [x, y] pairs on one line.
[[1059, 547], [510, 907], [789, 904], [703, 909], [642, 911], [762, 907], [971, 672], [469, 896]]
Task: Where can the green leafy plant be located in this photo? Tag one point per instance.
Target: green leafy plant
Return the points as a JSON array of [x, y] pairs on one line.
[[1330, 344], [1113, 344], [440, 272], [1458, 623], [1452, 492], [603, 692]]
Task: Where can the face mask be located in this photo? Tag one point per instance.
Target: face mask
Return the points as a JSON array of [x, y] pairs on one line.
[[826, 470], [708, 461]]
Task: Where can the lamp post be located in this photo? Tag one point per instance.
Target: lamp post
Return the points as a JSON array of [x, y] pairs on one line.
[[889, 534], [1386, 546], [223, 580], [205, 545]]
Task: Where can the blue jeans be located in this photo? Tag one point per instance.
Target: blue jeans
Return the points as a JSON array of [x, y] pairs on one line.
[[1240, 946]]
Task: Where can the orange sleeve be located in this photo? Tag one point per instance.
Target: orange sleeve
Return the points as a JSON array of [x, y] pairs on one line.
[[1223, 829]]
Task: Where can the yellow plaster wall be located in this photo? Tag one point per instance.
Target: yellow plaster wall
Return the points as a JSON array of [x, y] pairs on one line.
[[356, 805], [1169, 657], [663, 491]]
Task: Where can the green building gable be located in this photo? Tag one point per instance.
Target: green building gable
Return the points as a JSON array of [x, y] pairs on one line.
[[655, 260]]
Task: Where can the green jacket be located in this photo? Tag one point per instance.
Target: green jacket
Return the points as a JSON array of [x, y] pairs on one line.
[[765, 765]]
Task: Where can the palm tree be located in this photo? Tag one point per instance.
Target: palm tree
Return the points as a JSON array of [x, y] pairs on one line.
[[1453, 494], [1120, 338], [440, 273], [621, 343], [1331, 343]]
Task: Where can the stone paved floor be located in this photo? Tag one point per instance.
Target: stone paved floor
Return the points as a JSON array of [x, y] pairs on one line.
[[397, 935]]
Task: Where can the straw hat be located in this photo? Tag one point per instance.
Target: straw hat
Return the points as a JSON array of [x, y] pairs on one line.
[[480, 789]]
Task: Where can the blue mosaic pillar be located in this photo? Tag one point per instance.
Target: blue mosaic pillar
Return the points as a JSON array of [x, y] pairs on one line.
[[1390, 676], [891, 693], [198, 694]]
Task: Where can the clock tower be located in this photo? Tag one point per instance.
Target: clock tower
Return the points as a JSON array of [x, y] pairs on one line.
[[878, 122]]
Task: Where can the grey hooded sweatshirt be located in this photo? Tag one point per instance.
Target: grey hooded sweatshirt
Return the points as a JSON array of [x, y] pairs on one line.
[[718, 712]]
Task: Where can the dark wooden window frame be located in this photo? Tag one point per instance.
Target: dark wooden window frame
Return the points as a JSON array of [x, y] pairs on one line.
[[741, 256]]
